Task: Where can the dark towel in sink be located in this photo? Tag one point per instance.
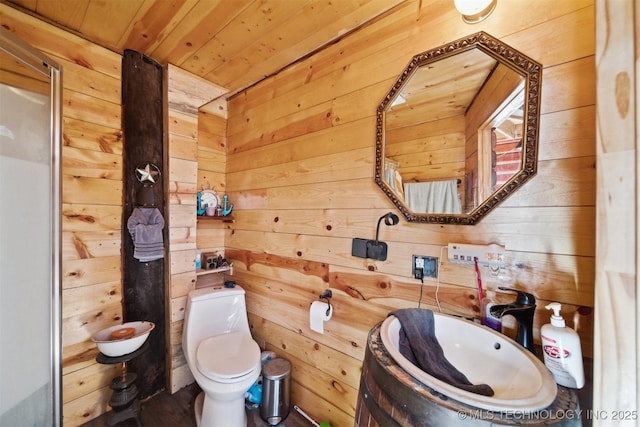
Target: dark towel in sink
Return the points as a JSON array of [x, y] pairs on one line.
[[418, 343]]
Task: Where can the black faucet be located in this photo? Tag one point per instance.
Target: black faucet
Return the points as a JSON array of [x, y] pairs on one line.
[[523, 309]]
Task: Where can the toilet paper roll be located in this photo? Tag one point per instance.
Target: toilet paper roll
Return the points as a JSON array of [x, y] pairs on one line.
[[318, 315]]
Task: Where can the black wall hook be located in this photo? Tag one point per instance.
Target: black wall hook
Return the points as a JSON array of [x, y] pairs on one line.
[[326, 295]]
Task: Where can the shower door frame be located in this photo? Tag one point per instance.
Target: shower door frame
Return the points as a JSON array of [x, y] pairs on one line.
[[48, 67]]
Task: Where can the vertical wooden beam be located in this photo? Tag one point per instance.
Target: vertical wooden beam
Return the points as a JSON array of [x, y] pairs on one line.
[[616, 361], [143, 282]]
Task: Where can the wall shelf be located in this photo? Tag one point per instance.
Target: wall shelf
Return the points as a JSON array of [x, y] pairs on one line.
[[202, 272], [228, 218]]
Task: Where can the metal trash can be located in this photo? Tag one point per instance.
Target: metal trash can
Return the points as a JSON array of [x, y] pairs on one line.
[[276, 383]]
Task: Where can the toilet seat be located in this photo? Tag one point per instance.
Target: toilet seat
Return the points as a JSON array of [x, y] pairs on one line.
[[228, 357]]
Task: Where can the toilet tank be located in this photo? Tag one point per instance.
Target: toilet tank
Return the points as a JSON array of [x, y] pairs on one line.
[[215, 310]]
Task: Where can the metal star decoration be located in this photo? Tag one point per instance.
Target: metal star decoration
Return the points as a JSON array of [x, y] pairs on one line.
[[148, 174]]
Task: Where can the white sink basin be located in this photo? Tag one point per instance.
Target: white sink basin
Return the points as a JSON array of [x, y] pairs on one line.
[[519, 380], [122, 339]]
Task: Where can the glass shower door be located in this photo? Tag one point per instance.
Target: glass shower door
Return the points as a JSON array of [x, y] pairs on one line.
[[29, 238]]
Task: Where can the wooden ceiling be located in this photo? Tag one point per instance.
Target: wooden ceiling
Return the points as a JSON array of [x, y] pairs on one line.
[[232, 43]]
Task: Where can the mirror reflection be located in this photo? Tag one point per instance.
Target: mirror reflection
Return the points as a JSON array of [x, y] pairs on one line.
[[451, 132]]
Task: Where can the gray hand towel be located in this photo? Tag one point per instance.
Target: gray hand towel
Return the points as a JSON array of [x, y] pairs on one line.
[[145, 226], [418, 343]]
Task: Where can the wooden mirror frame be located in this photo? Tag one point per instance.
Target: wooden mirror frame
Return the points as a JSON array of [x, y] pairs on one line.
[[529, 69]]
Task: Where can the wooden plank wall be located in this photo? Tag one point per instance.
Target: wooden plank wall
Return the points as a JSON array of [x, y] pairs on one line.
[[185, 94], [300, 169], [92, 207], [617, 327], [92, 203]]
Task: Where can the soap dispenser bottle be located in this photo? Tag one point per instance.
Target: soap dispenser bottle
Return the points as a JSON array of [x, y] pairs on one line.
[[562, 351]]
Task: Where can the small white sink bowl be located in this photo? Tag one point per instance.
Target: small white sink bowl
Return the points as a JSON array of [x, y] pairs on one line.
[[122, 339], [519, 380]]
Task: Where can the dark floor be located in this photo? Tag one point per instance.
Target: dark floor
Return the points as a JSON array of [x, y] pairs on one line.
[[167, 410]]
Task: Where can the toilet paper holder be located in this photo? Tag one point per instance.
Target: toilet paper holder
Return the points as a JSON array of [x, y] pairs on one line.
[[326, 295]]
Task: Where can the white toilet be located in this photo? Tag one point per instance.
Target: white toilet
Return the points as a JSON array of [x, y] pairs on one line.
[[223, 357]]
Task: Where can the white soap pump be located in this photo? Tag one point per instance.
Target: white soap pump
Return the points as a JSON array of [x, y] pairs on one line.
[[562, 350]]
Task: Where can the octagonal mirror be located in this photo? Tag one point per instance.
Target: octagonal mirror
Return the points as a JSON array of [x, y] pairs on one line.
[[458, 131]]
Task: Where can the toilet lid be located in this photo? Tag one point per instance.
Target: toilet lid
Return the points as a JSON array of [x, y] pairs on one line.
[[228, 356]]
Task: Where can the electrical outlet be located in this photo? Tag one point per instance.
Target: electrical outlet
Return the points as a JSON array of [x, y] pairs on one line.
[[425, 266]]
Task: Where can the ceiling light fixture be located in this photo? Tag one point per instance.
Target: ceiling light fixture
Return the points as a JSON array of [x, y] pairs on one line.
[[474, 11]]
